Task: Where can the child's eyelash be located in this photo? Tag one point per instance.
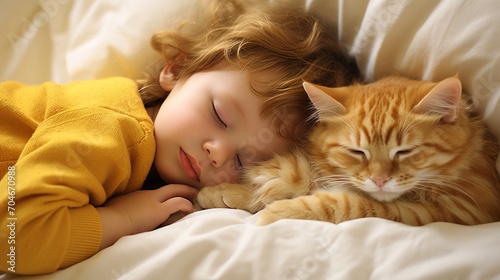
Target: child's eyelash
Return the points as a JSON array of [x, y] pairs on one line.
[[217, 117], [239, 165]]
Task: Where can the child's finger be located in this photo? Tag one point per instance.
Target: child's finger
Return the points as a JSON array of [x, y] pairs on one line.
[[176, 190], [176, 204]]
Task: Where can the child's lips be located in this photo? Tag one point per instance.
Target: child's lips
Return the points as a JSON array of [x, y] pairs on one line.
[[189, 165]]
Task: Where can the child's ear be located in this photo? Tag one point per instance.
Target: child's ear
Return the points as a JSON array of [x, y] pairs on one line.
[[167, 78], [169, 73]]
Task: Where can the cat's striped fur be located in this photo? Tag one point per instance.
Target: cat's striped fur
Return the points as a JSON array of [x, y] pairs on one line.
[[409, 151]]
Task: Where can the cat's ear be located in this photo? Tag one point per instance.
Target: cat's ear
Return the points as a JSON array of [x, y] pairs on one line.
[[443, 99], [325, 105]]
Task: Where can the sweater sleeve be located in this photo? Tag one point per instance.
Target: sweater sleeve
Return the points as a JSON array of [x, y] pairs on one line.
[[74, 161]]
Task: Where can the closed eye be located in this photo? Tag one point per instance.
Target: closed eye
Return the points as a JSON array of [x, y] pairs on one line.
[[404, 152], [237, 163], [216, 116], [357, 152], [401, 151], [362, 153]]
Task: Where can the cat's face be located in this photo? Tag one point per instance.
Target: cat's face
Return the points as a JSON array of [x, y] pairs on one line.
[[386, 138]]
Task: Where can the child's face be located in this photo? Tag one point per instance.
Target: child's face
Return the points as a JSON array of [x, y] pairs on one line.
[[209, 127]]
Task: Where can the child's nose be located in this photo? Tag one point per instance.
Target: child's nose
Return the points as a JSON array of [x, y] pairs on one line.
[[217, 153]]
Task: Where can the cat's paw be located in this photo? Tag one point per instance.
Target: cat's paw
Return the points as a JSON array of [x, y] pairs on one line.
[[275, 189], [212, 197], [273, 212], [234, 196]]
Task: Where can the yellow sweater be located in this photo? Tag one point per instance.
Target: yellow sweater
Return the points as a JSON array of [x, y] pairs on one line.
[[65, 149]]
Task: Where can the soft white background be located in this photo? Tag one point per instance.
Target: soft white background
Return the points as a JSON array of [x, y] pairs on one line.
[[63, 41]]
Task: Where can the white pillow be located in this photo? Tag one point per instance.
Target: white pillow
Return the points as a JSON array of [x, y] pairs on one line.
[[26, 40], [115, 35], [63, 41]]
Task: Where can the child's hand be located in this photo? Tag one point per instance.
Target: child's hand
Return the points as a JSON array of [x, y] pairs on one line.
[[143, 210]]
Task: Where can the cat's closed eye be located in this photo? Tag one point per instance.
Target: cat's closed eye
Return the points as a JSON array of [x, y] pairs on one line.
[[404, 152], [401, 152], [360, 153]]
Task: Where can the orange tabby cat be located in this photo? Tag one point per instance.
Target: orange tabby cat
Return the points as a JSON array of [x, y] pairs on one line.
[[399, 149]]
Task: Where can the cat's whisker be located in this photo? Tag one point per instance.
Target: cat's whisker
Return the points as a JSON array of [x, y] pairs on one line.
[[422, 189], [333, 181], [434, 184]]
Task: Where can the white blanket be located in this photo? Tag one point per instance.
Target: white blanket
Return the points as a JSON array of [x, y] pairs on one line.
[[225, 244], [424, 39]]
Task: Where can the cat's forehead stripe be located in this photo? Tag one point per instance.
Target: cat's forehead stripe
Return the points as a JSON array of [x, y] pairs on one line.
[[381, 113], [388, 135]]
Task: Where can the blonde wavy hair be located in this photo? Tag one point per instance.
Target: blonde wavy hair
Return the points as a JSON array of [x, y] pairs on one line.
[[278, 45]]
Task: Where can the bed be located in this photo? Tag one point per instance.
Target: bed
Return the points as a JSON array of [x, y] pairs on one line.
[[65, 41]]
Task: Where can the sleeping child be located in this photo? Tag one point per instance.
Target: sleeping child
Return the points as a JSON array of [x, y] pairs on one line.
[[74, 157]]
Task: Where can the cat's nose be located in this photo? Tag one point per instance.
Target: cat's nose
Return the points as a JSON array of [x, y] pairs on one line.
[[380, 180]]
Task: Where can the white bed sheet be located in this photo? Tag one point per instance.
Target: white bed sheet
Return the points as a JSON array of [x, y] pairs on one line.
[[64, 40], [225, 244]]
